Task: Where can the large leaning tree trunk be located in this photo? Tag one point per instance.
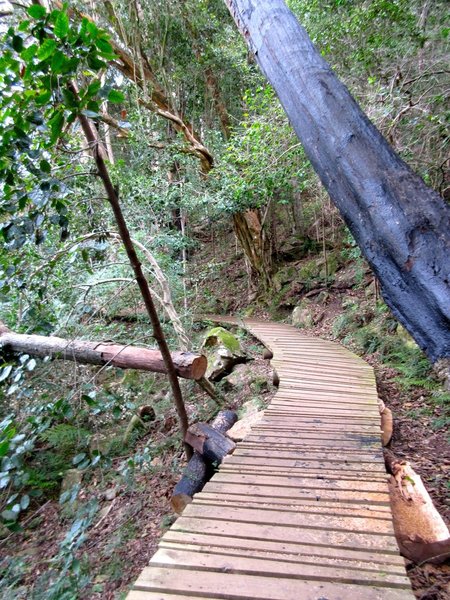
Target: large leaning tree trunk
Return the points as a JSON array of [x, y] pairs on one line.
[[401, 225]]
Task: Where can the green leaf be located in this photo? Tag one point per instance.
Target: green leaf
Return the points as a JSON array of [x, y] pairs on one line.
[[95, 63], [116, 96], [70, 65], [5, 372], [90, 114], [23, 26], [92, 29], [45, 166], [17, 43], [105, 48], [61, 28], [70, 98], [25, 502], [104, 45], [43, 97], [58, 62], [31, 365], [29, 52], [46, 49], [36, 11], [93, 88], [79, 458], [9, 515], [56, 124]]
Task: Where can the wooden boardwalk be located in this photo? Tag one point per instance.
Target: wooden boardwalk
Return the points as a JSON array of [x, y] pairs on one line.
[[300, 511]]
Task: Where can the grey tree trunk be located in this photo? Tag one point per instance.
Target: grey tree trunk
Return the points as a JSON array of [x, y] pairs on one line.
[[401, 225]]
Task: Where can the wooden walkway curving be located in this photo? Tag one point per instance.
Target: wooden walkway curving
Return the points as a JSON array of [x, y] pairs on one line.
[[300, 511]]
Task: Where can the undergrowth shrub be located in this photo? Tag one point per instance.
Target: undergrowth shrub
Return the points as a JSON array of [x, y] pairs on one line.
[[66, 438], [376, 331]]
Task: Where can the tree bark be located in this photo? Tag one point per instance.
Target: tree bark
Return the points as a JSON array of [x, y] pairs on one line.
[[401, 225], [254, 241], [187, 364]]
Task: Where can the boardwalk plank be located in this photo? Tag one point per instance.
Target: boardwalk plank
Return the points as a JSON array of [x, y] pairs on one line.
[[252, 565], [353, 523], [307, 535], [364, 559], [198, 584]]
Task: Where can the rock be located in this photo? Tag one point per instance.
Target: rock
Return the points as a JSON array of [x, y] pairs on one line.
[[243, 427], [329, 267], [101, 443], [249, 408], [302, 316], [371, 289], [72, 478], [219, 336], [284, 276], [223, 351], [110, 494], [347, 276], [323, 298], [227, 386], [239, 375], [405, 337]]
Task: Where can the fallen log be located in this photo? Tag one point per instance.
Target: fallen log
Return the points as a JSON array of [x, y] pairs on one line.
[[187, 364], [198, 472], [224, 420], [209, 442], [421, 533]]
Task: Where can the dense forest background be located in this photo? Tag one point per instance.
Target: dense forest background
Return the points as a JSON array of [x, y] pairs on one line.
[[227, 216]]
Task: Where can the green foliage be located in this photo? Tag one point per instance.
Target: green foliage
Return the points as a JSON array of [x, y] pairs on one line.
[[262, 157], [370, 332], [66, 438], [38, 100], [41, 96], [363, 42]]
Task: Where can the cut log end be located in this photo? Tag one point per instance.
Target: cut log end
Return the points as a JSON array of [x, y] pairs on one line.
[[179, 502], [199, 366]]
